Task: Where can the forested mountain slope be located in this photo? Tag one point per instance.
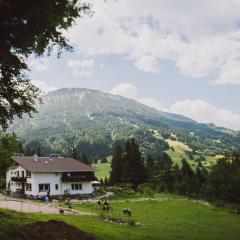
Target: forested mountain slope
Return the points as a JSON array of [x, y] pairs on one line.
[[94, 121]]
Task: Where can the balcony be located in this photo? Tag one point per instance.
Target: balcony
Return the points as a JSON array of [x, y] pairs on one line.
[[18, 179], [78, 177]]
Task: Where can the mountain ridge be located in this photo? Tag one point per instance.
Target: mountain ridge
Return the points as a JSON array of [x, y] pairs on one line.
[[94, 121]]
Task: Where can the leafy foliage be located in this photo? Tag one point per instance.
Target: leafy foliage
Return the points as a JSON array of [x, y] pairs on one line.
[[29, 27]]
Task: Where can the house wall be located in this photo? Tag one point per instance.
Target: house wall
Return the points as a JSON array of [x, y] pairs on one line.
[[15, 186], [53, 179], [87, 188], [45, 178]]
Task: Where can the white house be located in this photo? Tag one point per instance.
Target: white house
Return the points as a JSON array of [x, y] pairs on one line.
[[38, 176]]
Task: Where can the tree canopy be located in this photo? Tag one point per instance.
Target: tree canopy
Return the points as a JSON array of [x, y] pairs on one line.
[[29, 27]]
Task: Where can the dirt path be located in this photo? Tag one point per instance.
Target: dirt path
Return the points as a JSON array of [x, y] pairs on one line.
[[30, 207]]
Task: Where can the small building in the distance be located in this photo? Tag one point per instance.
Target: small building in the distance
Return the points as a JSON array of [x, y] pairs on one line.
[[38, 176]]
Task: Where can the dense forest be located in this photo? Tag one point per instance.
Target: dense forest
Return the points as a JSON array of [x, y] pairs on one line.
[[161, 174]]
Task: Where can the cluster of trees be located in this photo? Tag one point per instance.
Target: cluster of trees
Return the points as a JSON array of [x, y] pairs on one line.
[[127, 164], [82, 157], [221, 182]]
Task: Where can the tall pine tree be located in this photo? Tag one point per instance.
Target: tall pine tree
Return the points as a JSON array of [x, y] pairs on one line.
[[117, 166], [84, 159], [133, 169]]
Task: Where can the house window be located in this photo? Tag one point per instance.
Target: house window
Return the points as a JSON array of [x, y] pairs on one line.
[[17, 173], [28, 187], [76, 186], [56, 186], [28, 174], [56, 174], [44, 187]]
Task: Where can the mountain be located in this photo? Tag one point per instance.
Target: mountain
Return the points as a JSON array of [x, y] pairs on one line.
[[94, 122]]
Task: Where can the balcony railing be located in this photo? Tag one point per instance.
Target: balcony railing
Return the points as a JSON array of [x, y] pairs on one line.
[[77, 178], [18, 179]]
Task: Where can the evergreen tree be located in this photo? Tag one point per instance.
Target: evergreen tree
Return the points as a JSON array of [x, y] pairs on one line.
[[39, 152], [74, 154], [164, 175], [106, 181], [133, 169], [29, 151], [224, 180], [84, 159], [117, 165], [150, 168], [20, 148], [187, 177]]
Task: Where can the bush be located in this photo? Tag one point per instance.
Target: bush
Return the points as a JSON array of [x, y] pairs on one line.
[[2, 183], [127, 190], [146, 189]]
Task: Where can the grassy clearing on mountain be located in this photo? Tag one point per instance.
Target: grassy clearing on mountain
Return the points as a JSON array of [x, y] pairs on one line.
[[102, 170], [179, 146]]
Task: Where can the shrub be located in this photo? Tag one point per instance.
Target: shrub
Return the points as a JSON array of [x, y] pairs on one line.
[[146, 189], [2, 183], [128, 191]]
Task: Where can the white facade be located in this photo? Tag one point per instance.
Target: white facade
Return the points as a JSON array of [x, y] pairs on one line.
[[39, 184]]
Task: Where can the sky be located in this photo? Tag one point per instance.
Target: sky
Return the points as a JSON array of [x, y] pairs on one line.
[[176, 56]]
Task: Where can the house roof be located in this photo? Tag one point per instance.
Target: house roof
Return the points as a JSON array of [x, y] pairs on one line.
[[51, 164]]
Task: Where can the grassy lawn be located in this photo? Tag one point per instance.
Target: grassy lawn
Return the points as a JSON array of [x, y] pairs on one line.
[[174, 218], [166, 217]]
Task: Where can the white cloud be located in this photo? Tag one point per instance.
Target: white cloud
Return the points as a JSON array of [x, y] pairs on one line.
[[82, 69], [147, 64], [39, 65], [199, 37], [230, 73], [43, 86], [127, 90], [205, 112], [151, 102], [199, 110]]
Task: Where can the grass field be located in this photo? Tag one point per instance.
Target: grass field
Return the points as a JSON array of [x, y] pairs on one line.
[[163, 218], [176, 218]]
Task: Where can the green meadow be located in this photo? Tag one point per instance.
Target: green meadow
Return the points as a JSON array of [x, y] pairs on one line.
[[163, 217]]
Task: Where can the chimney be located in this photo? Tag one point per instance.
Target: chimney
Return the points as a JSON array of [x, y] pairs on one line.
[[35, 157]]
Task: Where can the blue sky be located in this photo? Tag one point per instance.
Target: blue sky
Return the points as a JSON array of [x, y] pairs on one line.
[[176, 56]]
